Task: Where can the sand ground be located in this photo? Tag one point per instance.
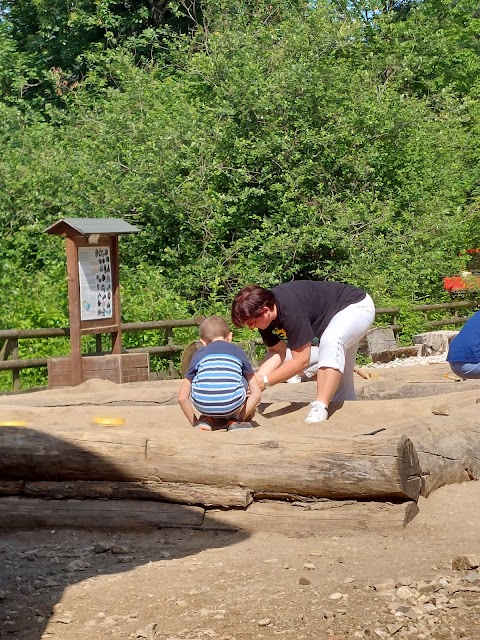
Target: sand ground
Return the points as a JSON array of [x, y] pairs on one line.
[[181, 584]]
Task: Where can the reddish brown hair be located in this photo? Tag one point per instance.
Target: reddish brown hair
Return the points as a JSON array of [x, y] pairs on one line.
[[249, 302]]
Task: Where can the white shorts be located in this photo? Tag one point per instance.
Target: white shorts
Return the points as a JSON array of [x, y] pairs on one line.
[[339, 343]]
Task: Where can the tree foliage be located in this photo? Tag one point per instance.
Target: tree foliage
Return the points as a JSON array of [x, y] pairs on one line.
[[250, 141]]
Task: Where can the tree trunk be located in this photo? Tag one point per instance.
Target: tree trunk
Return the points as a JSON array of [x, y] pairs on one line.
[[306, 465]]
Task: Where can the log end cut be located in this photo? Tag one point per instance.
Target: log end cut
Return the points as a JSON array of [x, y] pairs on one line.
[[409, 469]]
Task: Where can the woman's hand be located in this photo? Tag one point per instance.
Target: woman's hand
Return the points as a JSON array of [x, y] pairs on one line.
[[261, 383]]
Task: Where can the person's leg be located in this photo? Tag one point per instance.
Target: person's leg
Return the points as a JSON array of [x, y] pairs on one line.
[[311, 370], [467, 370], [346, 388], [336, 360]]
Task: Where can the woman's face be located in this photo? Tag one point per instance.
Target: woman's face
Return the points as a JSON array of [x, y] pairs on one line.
[[262, 321]]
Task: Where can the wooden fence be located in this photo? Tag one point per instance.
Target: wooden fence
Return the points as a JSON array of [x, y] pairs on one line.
[[454, 318], [167, 348], [9, 338]]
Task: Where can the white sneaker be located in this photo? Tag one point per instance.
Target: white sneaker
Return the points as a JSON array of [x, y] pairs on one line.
[[318, 412], [295, 379]]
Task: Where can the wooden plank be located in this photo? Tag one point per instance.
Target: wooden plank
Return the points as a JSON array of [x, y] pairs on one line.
[[113, 367], [183, 493], [287, 518], [28, 513], [134, 360], [101, 363]]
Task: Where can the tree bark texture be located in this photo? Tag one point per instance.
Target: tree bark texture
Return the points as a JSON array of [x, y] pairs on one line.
[[305, 465]]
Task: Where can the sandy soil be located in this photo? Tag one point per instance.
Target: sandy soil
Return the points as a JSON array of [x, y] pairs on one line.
[[179, 584]]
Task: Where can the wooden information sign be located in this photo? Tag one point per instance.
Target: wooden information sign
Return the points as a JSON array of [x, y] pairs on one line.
[[93, 284]]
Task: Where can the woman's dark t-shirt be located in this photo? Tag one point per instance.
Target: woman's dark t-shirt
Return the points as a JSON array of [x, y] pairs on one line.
[[304, 309]]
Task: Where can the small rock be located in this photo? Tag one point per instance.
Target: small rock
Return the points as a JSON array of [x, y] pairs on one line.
[[425, 587], [78, 565], [120, 549], [393, 628], [456, 603], [337, 596], [404, 593], [440, 410], [264, 622], [472, 577], [468, 561], [406, 581], [64, 617], [147, 633], [304, 580], [124, 559], [430, 608], [309, 566], [387, 585], [181, 603]]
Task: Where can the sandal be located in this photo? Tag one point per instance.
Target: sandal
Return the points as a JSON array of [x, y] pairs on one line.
[[204, 423]]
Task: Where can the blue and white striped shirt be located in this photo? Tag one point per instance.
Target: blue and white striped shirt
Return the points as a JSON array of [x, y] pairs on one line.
[[218, 373]]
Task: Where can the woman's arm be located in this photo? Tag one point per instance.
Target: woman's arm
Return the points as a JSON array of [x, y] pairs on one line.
[[273, 358], [300, 361]]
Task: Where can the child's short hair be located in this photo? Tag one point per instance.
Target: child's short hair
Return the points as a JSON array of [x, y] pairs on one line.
[[212, 328]]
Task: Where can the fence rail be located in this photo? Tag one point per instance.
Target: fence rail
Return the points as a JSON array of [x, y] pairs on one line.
[[9, 352], [15, 364], [453, 320]]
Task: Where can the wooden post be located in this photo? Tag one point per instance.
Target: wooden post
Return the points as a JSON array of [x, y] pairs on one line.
[[74, 310], [395, 330], [17, 383], [169, 342], [116, 335]]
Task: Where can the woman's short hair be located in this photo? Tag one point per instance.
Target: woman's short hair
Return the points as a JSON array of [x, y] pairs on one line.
[[249, 302]]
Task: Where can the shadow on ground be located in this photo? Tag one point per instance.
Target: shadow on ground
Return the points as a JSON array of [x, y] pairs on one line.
[[38, 564]]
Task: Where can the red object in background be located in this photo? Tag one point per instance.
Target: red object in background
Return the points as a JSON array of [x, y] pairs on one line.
[[469, 281]]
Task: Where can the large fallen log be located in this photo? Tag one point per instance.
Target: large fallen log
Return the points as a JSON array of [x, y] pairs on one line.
[[288, 518], [448, 447], [298, 463], [28, 513], [182, 493]]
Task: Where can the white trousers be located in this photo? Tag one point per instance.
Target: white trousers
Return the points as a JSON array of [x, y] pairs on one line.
[[339, 343]]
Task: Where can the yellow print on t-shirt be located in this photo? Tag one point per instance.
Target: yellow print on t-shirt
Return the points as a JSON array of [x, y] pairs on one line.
[[281, 333]]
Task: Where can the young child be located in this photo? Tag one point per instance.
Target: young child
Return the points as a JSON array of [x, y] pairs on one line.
[[219, 383]]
